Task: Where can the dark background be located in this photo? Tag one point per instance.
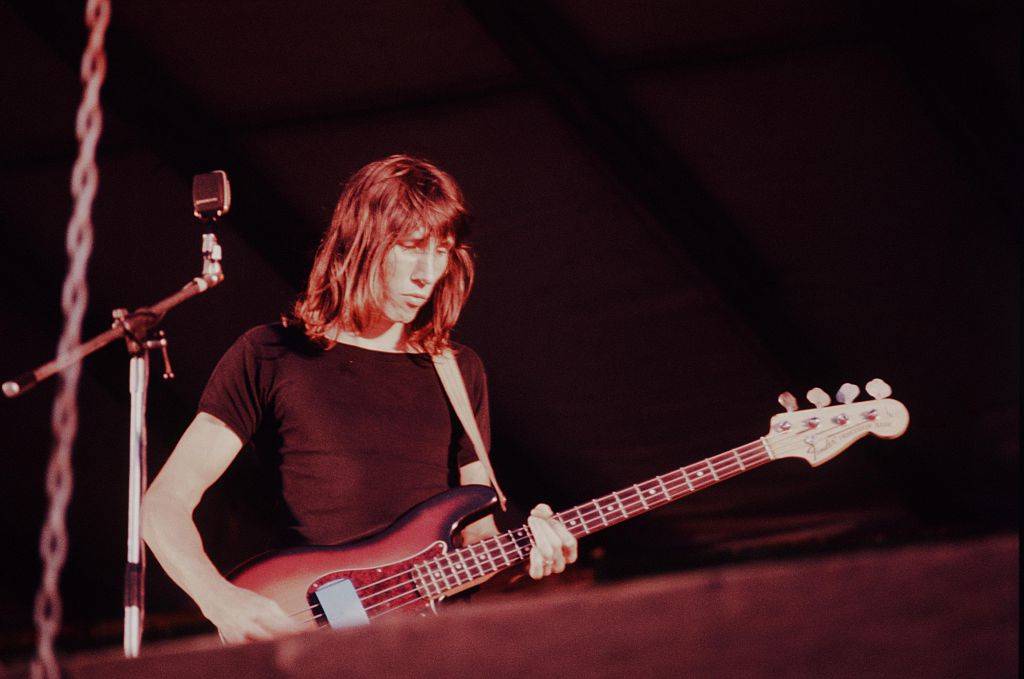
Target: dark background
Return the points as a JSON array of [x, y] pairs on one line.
[[681, 210]]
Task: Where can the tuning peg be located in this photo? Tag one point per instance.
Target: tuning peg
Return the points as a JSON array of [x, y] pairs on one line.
[[787, 401], [818, 397], [878, 389], [847, 393]]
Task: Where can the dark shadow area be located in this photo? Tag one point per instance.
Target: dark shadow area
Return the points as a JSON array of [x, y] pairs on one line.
[[680, 211]]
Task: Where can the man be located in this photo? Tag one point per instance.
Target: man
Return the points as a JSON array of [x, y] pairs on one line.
[[344, 396]]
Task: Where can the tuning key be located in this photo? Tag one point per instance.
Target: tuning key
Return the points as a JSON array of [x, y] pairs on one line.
[[787, 401], [847, 393], [878, 389], [818, 397]]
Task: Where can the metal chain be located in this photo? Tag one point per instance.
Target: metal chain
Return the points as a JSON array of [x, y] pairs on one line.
[[53, 542]]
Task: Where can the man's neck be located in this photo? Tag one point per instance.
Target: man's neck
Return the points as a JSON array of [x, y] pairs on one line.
[[381, 335]]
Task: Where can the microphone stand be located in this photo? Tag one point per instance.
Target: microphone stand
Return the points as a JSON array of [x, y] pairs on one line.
[[137, 328]]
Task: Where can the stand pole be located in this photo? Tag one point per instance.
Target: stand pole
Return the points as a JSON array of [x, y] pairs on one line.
[[135, 566], [136, 329]]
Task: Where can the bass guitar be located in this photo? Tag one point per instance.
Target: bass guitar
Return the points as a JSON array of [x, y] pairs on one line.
[[413, 565]]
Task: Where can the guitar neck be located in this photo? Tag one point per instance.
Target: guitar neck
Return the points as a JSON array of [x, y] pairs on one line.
[[641, 498], [481, 559]]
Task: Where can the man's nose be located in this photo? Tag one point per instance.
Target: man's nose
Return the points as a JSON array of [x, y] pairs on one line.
[[425, 271]]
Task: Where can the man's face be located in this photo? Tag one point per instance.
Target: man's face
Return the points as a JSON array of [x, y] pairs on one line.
[[414, 265]]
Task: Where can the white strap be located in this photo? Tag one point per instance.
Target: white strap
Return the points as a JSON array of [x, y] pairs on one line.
[[451, 378]]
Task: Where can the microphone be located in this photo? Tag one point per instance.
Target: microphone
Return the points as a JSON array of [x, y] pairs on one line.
[[211, 196], [211, 200]]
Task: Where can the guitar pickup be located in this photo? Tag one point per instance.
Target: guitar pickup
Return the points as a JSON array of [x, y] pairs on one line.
[[340, 604]]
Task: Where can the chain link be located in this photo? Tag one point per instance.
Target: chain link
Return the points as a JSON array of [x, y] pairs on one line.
[[53, 542]]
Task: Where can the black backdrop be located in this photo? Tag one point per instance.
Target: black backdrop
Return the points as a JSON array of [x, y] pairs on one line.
[[681, 209]]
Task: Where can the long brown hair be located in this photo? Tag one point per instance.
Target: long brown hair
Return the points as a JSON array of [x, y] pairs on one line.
[[381, 204]]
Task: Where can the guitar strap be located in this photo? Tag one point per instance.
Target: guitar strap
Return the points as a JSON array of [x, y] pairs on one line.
[[455, 387]]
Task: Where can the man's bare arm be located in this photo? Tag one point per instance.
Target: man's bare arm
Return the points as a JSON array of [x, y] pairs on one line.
[[470, 474], [205, 450]]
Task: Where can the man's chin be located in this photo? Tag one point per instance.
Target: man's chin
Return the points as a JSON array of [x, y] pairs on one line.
[[402, 314]]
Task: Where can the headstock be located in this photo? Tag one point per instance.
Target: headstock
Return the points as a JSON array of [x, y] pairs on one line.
[[818, 434]]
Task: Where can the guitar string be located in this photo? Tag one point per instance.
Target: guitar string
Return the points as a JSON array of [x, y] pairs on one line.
[[726, 470], [489, 551], [596, 508], [627, 505], [417, 597], [449, 571], [521, 542], [732, 467]]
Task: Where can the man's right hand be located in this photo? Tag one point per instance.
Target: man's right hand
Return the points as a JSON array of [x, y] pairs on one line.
[[242, 615]]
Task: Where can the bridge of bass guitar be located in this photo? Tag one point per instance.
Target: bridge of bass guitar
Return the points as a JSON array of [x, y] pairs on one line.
[[351, 598]]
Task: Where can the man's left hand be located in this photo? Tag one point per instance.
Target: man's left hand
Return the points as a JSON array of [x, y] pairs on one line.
[[553, 545]]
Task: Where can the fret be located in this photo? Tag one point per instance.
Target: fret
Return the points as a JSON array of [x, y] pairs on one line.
[[664, 489], [468, 559], [622, 508], [450, 571], [640, 494], [462, 568], [453, 569], [571, 523], [475, 558], [527, 546], [583, 522], [618, 500], [739, 459], [501, 551], [485, 553], [607, 509], [481, 557], [489, 556], [600, 512], [438, 576], [699, 474], [714, 472], [424, 582], [728, 467], [505, 554], [503, 548], [760, 454], [627, 512], [564, 518], [515, 541], [686, 477]]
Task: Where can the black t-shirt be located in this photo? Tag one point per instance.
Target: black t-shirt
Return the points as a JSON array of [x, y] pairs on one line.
[[357, 436]]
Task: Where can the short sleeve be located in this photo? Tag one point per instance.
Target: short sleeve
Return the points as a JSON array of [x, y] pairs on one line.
[[473, 375], [236, 391]]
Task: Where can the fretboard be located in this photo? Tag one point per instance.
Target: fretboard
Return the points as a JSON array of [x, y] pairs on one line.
[[481, 559]]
